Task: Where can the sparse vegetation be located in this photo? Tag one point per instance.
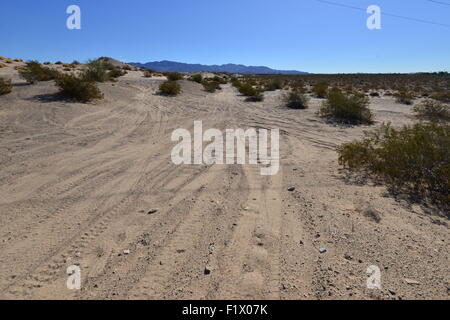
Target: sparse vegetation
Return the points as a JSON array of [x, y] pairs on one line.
[[432, 110], [295, 99], [80, 89], [34, 72], [5, 86], [404, 97], [274, 84], [412, 160], [97, 70], [148, 73], [320, 90], [174, 76], [211, 86], [347, 108], [197, 78], [169, 88]]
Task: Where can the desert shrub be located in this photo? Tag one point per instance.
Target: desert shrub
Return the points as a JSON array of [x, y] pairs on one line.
[[256, 97], [443, 96], [347, 108], [97, 70], [148, 73], [2, 65], [432, 110], [374, 94], [47, 63], [320, 90], [413, 160], [211, 86], [5, 86], [169, 88], [197, 78], [115, 73], [174, 76], [274, 84], [404, 97], [127, 68], [295, 99], [236, 83], [58, 62], [77, 88], [247, 89], [34, 72]]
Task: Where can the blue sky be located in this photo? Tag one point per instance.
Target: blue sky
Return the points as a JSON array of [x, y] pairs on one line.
[[284, 34]]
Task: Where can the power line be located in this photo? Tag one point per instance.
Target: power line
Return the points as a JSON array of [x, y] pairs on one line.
[[386, 14], [440, 2]]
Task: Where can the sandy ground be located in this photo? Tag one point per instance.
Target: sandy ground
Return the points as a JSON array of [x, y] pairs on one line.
[[77, 181]]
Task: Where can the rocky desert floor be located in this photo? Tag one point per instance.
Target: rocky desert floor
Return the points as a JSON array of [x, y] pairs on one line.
[[77, 182]]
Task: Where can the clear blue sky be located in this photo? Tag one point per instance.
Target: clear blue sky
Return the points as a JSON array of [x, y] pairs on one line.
[[285, 34]]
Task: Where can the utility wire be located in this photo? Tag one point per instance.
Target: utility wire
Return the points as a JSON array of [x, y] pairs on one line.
[[440, 2], [385, 13]]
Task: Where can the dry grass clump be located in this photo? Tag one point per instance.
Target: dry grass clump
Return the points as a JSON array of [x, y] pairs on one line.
[[80, 89], [169, 88], [295, 99], [5, 86], [412, 160], [2, 65], [34, 72], [346, 108], [432, 110], [148, 73], [442, 95]]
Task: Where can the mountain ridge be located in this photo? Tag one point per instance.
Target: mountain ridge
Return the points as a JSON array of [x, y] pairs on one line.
[[173, 66]]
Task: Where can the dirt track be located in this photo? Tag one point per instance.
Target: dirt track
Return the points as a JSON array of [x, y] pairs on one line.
[[76, 182]]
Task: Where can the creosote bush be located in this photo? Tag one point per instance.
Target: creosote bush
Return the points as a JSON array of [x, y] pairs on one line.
[[295, 99], [5, 86], [197, 78], [320, 90], [169, 88], [412, 160], [274, 84], [97, 70], [174, 76], [34, 72], [404, 97], [77, 88], [432, 110], [346, 108], [211, 86]]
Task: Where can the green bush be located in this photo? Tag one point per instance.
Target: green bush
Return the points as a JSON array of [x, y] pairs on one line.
[[5, 86], [34, 72], [320, 90], [79, 89], [97, 70], [404, 97], [169, 88], [432, 110], [197, 78], [274, 84], [412, 160], [295, 99], [174, 76], [247, 89], [346, 108], [211, 86]]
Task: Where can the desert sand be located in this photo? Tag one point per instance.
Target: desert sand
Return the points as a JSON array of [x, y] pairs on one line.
[[77, 182]]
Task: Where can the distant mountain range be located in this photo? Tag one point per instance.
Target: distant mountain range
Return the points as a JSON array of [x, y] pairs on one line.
[[172, 66]]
